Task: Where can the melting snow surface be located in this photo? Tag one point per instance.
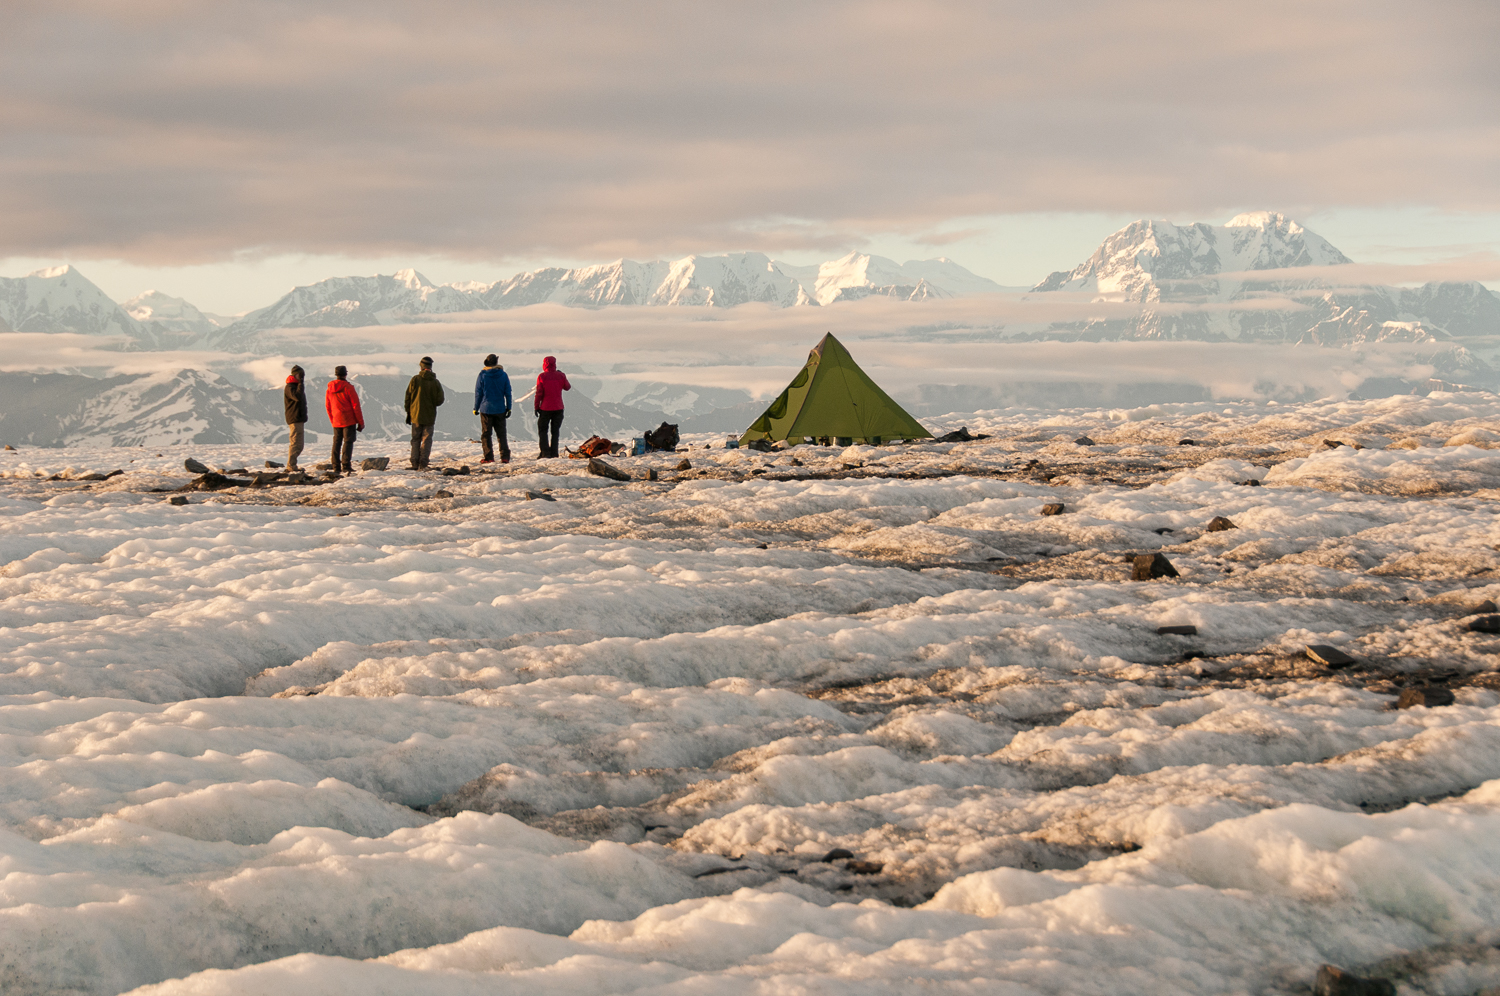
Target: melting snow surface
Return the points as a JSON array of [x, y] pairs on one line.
[[829, 720]]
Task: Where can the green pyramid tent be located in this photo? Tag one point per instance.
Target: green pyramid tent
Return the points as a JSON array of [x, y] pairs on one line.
[[833, 397]]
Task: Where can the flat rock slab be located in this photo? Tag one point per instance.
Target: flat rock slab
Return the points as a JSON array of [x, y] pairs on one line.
[[1054, 508], [599, 468], [375, 463], [1219, 524], [1427, 697], [1332, 981], [194, 467], [538, 496], [443, 494], [1328, 656], [1150, 566], [1084, 441], [1484, 624], [1484, 608], [178, 500], [1177, 631]]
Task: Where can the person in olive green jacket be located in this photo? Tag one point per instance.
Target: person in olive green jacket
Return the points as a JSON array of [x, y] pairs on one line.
[[423, 396]]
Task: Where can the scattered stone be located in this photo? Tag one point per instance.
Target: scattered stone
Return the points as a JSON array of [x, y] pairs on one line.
[[262, 480], [651, 474], [91, 477], [1332, 444], [1177, 631], [1484, 624], [960, 435], [599, 468], [10, 447], [865, 867], [296, 477], [117, 473], [237, 470], [1186, 442], [684, 464], [1484, 608], [443, 494], [762, 546], [1331, 657], [324, 466], [273, 465], [1333, 981], [1054, 508], [1252, 483], [1150, 566], [760, 445], [538, 496], [1219, 524], [194, 467], [1428, 697], [177, 500], [1162, 531], [838, 854], [1084, 441], [375, 463], [455, 471], [213, 481]]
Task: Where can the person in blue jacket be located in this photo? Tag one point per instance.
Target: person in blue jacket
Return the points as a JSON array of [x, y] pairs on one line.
[[492, 405]]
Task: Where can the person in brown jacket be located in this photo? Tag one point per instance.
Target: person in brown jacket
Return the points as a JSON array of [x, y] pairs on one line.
[[423, 396]]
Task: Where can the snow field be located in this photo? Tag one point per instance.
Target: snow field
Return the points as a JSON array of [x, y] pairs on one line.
[[359, 738]]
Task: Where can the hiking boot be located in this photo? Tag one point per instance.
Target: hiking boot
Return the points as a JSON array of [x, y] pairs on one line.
[[505, 459], [487, 461]]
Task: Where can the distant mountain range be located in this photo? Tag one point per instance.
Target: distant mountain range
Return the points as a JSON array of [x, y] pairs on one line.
[[1165, 267]]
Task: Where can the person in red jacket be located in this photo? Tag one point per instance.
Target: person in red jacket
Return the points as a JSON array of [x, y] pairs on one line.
[[344, 412], [548, 404]]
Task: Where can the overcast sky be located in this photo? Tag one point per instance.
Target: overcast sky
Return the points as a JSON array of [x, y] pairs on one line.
[[226, 145]]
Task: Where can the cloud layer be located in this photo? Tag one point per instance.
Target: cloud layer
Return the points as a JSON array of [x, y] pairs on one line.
[[173, 131]]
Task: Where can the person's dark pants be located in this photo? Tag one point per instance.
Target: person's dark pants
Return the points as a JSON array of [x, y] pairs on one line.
[[421, 446], [548, 427], [493, 423], [343, 448]]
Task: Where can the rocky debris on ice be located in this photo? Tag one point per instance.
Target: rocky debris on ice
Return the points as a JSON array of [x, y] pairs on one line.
[[1331, 657], [1333, 981], [1151, 566]]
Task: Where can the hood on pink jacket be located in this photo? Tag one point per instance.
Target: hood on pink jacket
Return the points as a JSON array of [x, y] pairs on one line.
[[549, 363]]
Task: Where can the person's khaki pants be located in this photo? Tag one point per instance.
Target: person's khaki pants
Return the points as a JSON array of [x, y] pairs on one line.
[[294, 445]]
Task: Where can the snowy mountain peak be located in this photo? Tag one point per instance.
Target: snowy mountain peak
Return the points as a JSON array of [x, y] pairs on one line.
[[52, 272], [172, 314], [1262, 219], [1133, 263], [411, 278]]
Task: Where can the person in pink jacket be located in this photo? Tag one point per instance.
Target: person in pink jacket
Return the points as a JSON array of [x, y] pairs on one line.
[[347, 417], [548, 404]]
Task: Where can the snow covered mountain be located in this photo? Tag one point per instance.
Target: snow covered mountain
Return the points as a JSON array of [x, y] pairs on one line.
[[60, 299], [351, 302], [172, 314], [1165, 266], [694, 281]]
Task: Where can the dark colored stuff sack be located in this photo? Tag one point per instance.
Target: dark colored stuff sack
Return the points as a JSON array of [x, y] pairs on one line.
[[663, 437]]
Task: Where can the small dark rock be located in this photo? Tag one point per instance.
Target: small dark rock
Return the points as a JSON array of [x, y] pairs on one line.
[[273, 465], [1186, 442], [194, 467], [765, 445], [865, 867], [1162, 531], [1150, 566], [1332, 444], [1429, 697], [538, 496], [651, 474], [237, 470], [177, 500], [375, 463], [1333, 981], [684, 464], [599, 468], [1252, 483], [1484, 624], [1084, 441], [443, 494], [9, 447], [762, 546], [1177, 631], [1054, 508], [838, 854], [960, 435], [1484, 608], [261, 480], [1219, 524], [1332, 657], [91, 477]]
